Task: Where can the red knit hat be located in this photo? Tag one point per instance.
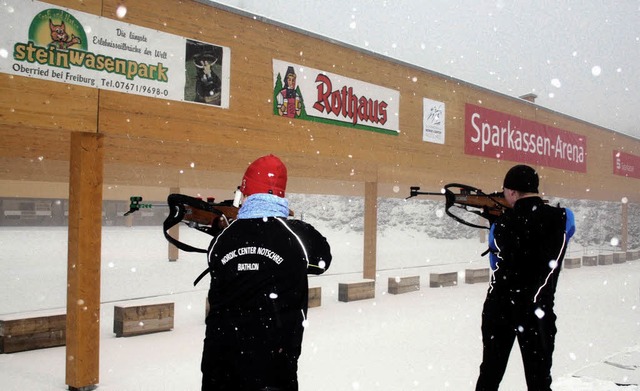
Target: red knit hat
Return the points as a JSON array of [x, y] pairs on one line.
[[265, 175]]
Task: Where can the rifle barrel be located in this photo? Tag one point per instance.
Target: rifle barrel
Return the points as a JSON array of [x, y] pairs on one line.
[[415, 191]]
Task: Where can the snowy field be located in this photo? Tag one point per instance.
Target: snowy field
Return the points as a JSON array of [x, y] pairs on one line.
[[425, 340]]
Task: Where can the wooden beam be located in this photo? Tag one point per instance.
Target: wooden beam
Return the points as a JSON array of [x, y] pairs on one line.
[[83, 270], [624, 240], [370, 229]]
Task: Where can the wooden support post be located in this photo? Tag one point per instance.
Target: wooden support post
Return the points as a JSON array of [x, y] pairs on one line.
[[483, 234], [174, 231], [624, 240], [370, 229], [83, 269]]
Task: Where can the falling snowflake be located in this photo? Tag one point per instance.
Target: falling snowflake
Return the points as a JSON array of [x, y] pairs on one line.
[[121, 11]]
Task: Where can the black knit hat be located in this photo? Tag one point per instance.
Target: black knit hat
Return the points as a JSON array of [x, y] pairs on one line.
[[522, 178]]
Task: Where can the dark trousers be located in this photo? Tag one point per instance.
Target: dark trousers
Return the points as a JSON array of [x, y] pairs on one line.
[[250, 355], [533, 326]]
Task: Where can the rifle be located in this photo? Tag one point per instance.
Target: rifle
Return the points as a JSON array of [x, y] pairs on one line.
[[470, 199], [205, 216]]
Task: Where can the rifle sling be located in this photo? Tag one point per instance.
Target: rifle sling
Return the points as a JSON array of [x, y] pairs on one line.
[[201, 276], [177, 212]]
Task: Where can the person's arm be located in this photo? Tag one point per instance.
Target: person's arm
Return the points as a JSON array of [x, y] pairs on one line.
[[493, 249], [315, 246], [570, 228]]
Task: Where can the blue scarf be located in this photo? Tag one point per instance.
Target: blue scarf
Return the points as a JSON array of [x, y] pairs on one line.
[[262, 205]]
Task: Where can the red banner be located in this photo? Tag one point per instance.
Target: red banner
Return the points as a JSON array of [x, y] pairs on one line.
[[503, 136], [626, 164]]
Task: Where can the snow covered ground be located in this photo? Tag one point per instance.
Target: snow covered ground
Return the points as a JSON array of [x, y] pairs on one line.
[[425, 340]]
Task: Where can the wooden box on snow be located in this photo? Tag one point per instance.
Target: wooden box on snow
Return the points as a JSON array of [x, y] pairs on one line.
[[315, 297], [397, 285], [18, 335], [619, 257], [473, 276], [356, 290], [437, 280], [142, 319], [605, 259], [572, 263]]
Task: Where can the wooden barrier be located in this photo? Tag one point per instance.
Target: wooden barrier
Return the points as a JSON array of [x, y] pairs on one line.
[[590, 260], [18, 335], [619, 257], [356, 290], [572, 263], [437, 280], [397, 285], [605, 259], [142, 319], [472, 276], [315, 297], [633, 255]]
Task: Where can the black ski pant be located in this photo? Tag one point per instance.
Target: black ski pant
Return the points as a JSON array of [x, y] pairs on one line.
[[533, 325], [251, 354]]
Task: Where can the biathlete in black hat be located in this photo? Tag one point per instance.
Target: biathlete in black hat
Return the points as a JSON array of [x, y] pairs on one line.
[[527, 243], [259, 292]]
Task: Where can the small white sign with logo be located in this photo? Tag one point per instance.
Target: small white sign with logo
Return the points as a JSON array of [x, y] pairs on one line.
[[433, 121]]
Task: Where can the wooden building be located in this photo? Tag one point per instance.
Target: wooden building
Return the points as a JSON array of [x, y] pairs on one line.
[[68, 134]]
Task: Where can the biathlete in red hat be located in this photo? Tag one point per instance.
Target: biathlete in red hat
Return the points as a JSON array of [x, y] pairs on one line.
[[259, 290]]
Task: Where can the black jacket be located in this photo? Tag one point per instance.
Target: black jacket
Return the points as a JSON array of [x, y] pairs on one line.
[[529, 243], [258, 263], [258, 302]]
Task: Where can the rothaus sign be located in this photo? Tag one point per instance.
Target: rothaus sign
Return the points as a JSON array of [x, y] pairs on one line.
[[315, 95]]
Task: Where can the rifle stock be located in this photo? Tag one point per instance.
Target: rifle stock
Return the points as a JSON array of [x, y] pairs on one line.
[[470, 199], [210, 214], [206, 216]]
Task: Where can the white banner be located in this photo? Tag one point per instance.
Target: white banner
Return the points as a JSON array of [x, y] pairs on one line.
[[433, 121], [315, 95], [46, 42]]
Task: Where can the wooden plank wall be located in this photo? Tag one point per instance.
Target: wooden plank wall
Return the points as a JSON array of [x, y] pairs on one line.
[[148, 141]]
